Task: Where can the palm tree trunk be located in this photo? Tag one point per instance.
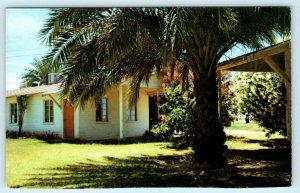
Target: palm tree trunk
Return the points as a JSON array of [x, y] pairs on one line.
[[20, 124], [209, 136], [22, 104]]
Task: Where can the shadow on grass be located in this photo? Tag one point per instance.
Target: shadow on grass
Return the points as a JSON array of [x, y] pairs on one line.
[[257, 168], [268, 143], [271, 143]]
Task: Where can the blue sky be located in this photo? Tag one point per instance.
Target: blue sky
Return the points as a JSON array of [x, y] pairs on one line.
[[22, 44]]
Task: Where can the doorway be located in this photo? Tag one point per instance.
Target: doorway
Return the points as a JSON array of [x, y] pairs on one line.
[[153, 111], [68, 116]]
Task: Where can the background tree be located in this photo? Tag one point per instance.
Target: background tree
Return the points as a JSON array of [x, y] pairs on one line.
[[38, 74], [101, 47], [22, 105], [178, 116], [262, 95], [229, 102]]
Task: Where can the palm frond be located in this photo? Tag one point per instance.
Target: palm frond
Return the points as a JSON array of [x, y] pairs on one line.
[[100, 47]]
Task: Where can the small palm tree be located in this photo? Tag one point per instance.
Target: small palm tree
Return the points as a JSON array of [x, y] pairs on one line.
[[101, 47], [38, 74]]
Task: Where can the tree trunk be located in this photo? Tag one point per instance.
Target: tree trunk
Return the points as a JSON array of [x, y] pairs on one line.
[[22, 104], [209, 136], [20, 124], [247, 118]]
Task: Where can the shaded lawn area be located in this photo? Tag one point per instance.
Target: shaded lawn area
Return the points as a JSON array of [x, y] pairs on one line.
[[36, 164]]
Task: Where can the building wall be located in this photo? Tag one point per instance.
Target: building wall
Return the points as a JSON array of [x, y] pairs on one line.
[[34, 115], [138, 127], [89, 129], [85, 125], [154, 82]]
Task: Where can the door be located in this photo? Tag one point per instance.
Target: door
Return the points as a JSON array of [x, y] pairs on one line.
[[68, 120], [153, 111]]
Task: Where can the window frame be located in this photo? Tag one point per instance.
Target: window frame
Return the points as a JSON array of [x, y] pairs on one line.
[[49, 110], [15, 120], [130, 114], [103, 117]]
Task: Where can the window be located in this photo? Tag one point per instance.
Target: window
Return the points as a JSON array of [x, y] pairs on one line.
[[13, 113], [48, 111], [131, 113], [101, 110]]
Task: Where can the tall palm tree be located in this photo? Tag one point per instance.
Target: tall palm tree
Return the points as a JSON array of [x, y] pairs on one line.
[[38, 74], [101, 47]]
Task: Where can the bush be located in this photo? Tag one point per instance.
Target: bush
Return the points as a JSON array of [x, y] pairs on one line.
[[45, 135], [262, 96], [179, 116], [48, 135], [148, 133], [179, 111], [229, 103], [227, 119], [12, 134]]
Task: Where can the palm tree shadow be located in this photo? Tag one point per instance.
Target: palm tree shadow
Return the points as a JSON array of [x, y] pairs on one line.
[[272, 143], [266, 143], [129, 172], [243, 170]]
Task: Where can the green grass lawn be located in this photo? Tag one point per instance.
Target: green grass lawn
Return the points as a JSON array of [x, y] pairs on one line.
[[253, 161], [30, 158], [248, 136], [242, 126]]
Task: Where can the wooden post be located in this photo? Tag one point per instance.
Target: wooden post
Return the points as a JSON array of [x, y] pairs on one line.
[[275, 67], [157, 103], [121, 110], [287, 61], [219, 79]]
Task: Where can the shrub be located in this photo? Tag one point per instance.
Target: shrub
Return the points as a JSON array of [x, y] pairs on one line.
[[12, 134], [148, 133], [229, 103], [46, 135], [262, 96], [179, 111], [178, 116]]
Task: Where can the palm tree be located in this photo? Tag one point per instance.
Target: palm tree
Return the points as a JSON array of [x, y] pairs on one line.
[[101, 47], [38, 74]]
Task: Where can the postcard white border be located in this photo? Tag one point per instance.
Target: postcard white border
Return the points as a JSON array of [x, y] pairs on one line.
[[295, 7]]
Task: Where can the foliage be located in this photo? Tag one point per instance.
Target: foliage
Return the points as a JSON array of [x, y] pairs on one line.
[[90, 44], [22, 105], [11, 134], [45, 135], [263, 96], [38, 74], [179, 116], [229, 103], [179, 111]]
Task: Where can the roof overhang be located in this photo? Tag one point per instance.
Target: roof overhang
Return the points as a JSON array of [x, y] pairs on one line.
[[256, 61], [43, 90]]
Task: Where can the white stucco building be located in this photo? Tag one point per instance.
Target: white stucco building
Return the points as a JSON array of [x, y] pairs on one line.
[[108, 117]]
